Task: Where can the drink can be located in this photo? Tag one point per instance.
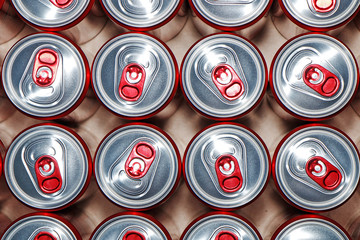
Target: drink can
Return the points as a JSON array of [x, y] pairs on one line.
[[135, 75], [52, 15], [317, 15], [129, 166], [314, 76], [130, 226], [40, 226], [47, 167], [226, 165], [45, 75], [316, 167], [223, 76], [221, 226], [230, 15], [140, 15], [311, 226]]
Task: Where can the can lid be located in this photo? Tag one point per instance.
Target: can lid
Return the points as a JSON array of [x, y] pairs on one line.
[[316, 167], [47, 167], [129, 166], [45, 75], [223, 76], [314, 76], [226, 165], [134, 75]]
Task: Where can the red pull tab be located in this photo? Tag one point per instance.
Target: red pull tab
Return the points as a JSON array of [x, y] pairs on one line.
[[323, 6], [44, 236], [45, 67], [228, 82], [133, 235], [132, 82], [228, 173], [140, 160], [323, 173], [48, 174], [321, 80], [61, 3], [226, 235]]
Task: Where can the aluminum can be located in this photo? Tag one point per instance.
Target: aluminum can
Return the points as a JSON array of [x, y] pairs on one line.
[[220, 226], [52, 15], [129, 166], [314, 76], [45, 75], [135, 75], [223, 76], [130, 226], [230, 15], [226, 166], [318, 15], [47, 167], [316, 167], [41, 226], [311, 226], [141, 15]]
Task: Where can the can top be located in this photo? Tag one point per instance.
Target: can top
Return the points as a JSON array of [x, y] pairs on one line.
[[316, 167], [129, 166], [225, 14], [41, 226], [226, 166], [47, 167], [312, 226], [218, 225], [51, 14], [134, 75], [314, 76], [320, 15], [223, 76], [129, 226], [140, 14], [45, 76]]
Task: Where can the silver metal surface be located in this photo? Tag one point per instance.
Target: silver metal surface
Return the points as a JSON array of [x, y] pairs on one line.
[[118, 226], [230, 13], [305, 13], [288, 75], [111, 163], [45, 14], [29, 227], [198, 67], [291, 162], [311, 228], [209, 227], [23, 154], [44, 101], [140, 13], [145, 51], [226, 139]]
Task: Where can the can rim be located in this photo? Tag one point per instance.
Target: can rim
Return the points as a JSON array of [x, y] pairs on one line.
[[316, 29], [272, 79], [47, 214], [217, 213], [141, 29], [178, 160], [308, 216], [132, 213], [276, 152], [231, 124], [261, 96], [227, 28], [60, 28], [88, 160], [176, 77], [86, 78]]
